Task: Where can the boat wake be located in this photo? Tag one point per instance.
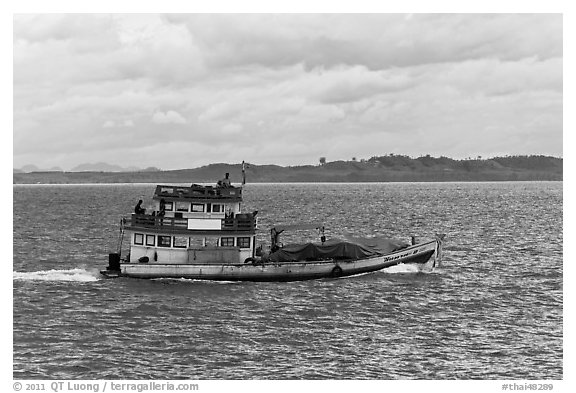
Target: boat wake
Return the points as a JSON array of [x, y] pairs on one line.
[[78, 275], [401, 268], [396, 269]]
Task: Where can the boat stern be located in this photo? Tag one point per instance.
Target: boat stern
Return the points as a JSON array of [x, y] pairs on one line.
[[113, 268]]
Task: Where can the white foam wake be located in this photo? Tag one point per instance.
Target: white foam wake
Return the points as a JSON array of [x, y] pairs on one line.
[[402, 268], [78, 275]]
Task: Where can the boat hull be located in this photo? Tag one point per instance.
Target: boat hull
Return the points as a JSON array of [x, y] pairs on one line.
[[424, 256]]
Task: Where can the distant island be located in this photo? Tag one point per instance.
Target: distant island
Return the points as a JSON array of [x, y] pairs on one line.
[[96, 167], [388, 168]]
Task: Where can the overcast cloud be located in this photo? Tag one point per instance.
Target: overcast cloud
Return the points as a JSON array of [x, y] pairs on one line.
[[180, 91]]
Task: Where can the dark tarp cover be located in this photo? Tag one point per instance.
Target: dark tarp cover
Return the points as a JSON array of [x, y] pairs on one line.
[[352, 248]]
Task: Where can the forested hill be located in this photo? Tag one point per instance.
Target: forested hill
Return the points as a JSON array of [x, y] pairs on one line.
[[389, 168]]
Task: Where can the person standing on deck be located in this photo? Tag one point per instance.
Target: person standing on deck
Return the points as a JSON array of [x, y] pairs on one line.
[[162, 210]]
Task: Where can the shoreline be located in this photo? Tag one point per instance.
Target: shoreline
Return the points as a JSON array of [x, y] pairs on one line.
[[385, 170], [295, 183]]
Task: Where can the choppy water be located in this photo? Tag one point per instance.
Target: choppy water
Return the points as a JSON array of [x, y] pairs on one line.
[[493, 311]]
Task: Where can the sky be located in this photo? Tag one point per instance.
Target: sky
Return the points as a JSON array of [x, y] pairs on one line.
[[185, 90]]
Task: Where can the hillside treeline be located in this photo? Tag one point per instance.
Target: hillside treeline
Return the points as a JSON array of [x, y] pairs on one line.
[[388, 168]]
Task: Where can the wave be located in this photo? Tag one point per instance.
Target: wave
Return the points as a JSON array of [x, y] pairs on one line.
[[78, 275], [195, 280]]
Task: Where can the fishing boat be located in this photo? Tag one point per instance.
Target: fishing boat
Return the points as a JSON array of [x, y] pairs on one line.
[[200, 232]]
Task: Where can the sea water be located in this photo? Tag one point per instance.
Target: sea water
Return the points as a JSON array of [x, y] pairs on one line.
[[493, 310]]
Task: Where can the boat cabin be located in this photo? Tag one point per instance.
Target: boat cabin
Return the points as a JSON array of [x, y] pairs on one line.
[[195, 224]]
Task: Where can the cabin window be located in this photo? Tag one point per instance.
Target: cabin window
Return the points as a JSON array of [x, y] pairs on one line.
[[181, 206], [164, 241], [138, 238], [227, 242], [243, 242], [217, 208], [211, 242], [169, 206], [166, 190], [198, 207], [150, 240], [180, 241], [196, 242]]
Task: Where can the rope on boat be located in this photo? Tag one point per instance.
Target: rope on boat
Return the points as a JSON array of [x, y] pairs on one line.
[[121, 236]]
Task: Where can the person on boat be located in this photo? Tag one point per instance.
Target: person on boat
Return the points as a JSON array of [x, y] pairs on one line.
[[162, 210], [139, 209], [225, 183]]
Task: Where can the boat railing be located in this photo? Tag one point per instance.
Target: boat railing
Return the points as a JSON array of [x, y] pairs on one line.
[[196, 191], [242, 222], [239, 223]]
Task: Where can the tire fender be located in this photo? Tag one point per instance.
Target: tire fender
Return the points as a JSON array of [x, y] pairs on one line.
[[336, 272]]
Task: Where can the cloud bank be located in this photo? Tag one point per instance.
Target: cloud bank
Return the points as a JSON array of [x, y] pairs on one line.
[[283, 89]]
